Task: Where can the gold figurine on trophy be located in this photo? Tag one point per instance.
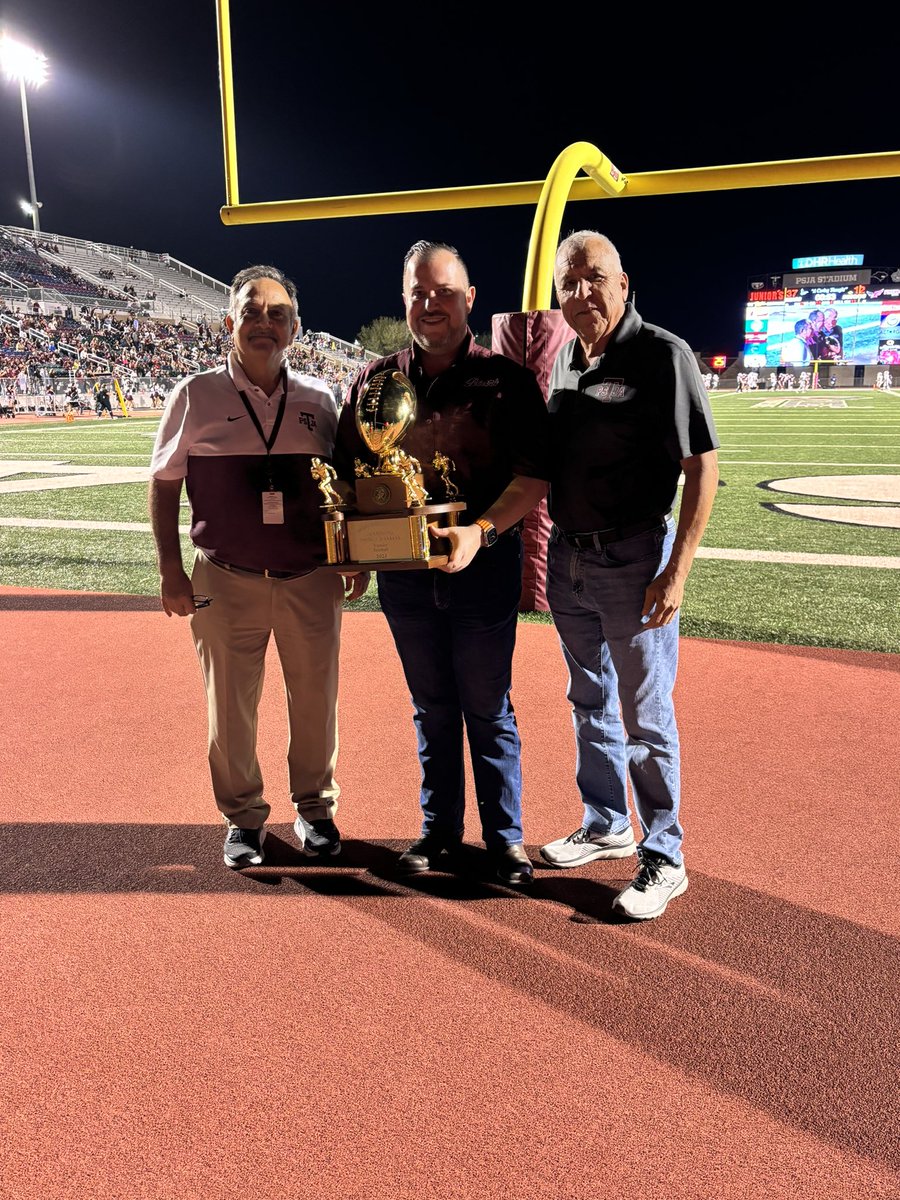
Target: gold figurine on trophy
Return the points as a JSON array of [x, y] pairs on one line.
[[324, 474], [335, 525], [444, 465]]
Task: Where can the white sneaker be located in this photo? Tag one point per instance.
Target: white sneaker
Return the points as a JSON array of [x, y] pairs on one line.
[[656, 883], [582, 846]]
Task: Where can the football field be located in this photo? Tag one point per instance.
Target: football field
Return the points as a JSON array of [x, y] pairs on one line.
[[803, 545]]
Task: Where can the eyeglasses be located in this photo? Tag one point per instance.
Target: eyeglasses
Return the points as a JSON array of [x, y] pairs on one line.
[[202, 601]]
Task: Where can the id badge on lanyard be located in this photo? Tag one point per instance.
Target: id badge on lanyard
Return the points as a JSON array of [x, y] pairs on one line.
[[272, 500], [272, 507]]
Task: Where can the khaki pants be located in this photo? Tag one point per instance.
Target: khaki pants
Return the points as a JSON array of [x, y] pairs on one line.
[[231, 637]]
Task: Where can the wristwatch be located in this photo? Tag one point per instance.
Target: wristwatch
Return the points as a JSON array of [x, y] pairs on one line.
[[489, 533]]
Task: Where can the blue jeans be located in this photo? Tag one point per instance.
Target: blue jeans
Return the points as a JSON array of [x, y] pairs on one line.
[[455, 635], [596, 598]]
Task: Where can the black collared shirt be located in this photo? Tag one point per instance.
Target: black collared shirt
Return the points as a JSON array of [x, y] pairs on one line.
[[620, 428], [485, 412]]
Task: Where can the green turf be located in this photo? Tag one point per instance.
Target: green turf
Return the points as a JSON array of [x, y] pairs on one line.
[[848, 607], [112, 502], [740, 521], [84, 442], [78, 560]]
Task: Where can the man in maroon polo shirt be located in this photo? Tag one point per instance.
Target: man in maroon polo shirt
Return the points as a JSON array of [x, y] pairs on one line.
[[242, 438], [455, 628]]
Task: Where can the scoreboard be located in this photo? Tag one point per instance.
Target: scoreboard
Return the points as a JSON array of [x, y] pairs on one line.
[[838, 316]]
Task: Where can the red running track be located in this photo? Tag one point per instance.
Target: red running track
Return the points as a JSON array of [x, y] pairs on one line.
[[174, 1030]]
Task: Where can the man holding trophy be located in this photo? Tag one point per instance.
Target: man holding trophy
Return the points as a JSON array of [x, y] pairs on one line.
[[478, 439]]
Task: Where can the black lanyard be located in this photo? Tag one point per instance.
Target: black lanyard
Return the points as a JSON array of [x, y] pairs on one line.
[[270, 441]]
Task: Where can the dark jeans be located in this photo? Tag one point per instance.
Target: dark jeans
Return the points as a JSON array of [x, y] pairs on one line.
[[455, 635]]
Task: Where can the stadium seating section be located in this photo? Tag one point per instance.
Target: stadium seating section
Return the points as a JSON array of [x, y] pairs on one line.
[[76, 314]]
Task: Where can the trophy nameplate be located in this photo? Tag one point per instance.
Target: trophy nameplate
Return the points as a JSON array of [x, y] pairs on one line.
[[387, 527]]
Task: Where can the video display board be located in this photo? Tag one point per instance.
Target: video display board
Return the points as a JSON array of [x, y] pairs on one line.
[[849, 317]]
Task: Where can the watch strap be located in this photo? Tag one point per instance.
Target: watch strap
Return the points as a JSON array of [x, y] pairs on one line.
[[489, 533]]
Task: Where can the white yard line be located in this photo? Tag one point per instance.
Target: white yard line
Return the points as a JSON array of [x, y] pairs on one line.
[[47, 523], [66, 456], [885, 562], [800, 462], [735, 423]]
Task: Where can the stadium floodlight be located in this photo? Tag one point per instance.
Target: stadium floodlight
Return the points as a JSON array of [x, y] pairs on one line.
[[24, 65], [20, 62]]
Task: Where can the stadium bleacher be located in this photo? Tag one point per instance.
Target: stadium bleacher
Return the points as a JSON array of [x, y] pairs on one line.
[[75, 314], [161, 285]]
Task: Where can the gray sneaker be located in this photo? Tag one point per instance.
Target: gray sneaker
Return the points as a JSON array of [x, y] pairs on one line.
[[582, 847], [243, 847], [655, 884], [317, 838]]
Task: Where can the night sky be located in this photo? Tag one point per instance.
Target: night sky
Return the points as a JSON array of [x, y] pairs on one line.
[[127, 141]]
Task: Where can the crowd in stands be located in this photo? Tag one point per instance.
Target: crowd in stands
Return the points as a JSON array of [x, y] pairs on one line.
[[20, 260], [44, 353]]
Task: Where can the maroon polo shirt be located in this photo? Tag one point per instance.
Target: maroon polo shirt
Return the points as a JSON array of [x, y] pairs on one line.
[[485, 412]]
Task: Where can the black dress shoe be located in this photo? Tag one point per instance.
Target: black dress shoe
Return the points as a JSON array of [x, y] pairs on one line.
[[513, 864], [426, 854]]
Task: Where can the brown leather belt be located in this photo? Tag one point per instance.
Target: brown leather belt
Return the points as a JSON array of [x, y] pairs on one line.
[[602, 537]]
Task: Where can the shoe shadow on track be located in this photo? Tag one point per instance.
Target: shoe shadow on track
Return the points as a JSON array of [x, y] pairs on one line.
[[370, 868], [188, 858], [84, 858], [584, 891], [790, 1009]]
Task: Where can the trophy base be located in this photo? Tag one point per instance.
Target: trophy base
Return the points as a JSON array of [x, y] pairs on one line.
[[397, 541], [435, 561]]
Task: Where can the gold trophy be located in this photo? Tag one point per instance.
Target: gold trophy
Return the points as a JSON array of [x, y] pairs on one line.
[[389, 529]]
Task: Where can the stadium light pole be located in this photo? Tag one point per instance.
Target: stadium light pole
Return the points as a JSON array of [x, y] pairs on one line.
[[24, 65]]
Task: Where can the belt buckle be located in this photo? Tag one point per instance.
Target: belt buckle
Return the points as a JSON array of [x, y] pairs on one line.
[[602, 537]]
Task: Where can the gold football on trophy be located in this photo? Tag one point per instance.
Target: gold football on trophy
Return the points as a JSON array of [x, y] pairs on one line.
[[385, 411]]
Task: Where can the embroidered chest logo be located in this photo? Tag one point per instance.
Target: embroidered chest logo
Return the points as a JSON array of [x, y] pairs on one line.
[[481, 383], [608, 390], [307, 419]]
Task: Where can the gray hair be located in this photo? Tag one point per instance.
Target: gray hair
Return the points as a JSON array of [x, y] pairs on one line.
[[260, 271], [577, 241]]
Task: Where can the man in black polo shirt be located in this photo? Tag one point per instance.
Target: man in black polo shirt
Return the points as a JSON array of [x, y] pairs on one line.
[[455, 628], [629, 413]]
